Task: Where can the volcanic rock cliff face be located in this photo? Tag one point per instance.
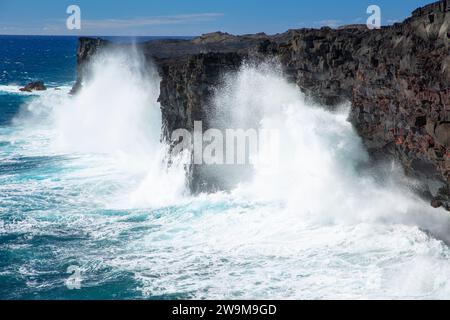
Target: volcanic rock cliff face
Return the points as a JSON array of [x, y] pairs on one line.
[[397, 79]]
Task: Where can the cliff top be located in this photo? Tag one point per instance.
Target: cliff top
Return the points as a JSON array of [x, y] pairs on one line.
[[225, 42], [435, 7]]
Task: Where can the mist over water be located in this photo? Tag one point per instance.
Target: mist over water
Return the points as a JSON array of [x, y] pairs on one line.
[[114, 121], [104, 199], [323, 167]]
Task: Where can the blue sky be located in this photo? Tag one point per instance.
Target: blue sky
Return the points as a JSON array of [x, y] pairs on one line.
[[191, 17]]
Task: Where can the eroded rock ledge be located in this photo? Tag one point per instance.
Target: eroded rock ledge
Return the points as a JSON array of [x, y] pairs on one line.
[[397, 78]]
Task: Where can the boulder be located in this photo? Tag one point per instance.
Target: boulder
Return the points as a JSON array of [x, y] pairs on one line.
[[34, 86]]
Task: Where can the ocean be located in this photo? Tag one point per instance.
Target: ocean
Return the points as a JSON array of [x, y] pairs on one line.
[[89, 208]]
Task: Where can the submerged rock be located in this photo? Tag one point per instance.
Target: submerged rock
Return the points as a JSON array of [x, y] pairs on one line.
[[34, 86]]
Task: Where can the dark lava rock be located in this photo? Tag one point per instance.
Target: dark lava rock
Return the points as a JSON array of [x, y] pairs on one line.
[[397, 79], [436, 203], [34, 86]]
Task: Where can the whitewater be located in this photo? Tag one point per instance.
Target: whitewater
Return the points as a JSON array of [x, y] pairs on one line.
[[85, 181]]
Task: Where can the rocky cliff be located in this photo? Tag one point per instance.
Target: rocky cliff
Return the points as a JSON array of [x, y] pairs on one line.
[[397, 79]]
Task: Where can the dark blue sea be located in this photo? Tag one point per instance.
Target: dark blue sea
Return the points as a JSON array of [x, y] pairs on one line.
[[90, 208]]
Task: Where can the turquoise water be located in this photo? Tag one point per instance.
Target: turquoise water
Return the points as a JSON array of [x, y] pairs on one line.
[[84, 185], [46, 209]]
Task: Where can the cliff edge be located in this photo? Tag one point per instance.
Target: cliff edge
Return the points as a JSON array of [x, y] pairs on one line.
[[397, 79]]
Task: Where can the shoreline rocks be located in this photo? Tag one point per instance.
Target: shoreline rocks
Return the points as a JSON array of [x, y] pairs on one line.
[[34, 86]]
